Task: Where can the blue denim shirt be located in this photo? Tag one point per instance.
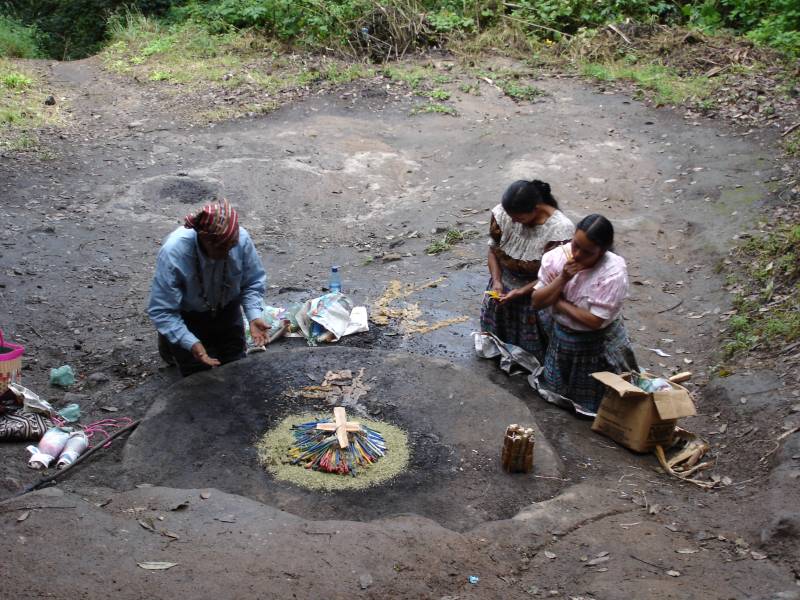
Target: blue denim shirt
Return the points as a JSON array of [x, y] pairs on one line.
[[176, 286]]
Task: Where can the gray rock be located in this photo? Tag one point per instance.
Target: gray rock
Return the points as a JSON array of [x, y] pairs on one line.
[[365, 581], [11, 484], [787, 595], [392, 257], [98, 378], [71, 397], [784, 525]]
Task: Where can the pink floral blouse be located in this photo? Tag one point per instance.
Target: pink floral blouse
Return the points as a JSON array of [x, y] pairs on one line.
[[601, 290]]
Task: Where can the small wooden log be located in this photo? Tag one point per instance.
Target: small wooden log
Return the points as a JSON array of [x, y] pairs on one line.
[[681, 377], [508, 442]]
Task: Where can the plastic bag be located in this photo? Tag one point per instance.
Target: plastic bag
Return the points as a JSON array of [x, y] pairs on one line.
[[31, 402], [49, 447], [651, 385], [335, 313], [63, 376], [70, 413]]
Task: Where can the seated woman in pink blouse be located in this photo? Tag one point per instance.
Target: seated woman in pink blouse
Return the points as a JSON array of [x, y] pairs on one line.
[[584, 284]]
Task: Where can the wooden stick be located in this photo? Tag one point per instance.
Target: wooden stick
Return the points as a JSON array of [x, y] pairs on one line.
[[670, 308], [81, 458], [613, 28], [791, 129], [340, 415]]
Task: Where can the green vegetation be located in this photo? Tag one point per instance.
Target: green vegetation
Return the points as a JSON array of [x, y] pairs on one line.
[[22, 108], [439, 94], [517, 91], [767, 297], [18, 40], [450, 239], [664, 84], [191, 58], [792, 143], [366, 28], [434, 107]]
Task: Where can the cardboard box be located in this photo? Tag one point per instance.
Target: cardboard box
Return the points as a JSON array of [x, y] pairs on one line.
[[637, 419]]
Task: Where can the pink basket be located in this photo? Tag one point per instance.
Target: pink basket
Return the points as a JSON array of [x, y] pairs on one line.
[[10, 363]]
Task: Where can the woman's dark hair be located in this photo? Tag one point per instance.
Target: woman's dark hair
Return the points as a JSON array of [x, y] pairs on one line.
[[523, 196], [598, 229]]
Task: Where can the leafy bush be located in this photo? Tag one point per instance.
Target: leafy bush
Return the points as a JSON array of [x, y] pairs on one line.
[[309, 20], [770, 22], [17, 40], [75, 28]]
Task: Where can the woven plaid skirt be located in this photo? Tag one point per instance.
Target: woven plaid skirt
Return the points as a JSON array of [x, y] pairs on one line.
[[572, 356], [515, 322]]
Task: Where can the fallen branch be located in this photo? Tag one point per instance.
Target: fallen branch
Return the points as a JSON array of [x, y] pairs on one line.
[[791, 129], [614, 28], [34, 508], [671, 307], [783, 436], [641, 560], [531, 23], [81, 458]]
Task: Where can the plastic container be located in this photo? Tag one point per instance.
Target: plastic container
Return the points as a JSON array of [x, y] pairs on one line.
[[10, 363], [75, 446], [50, 446], [335, 283]]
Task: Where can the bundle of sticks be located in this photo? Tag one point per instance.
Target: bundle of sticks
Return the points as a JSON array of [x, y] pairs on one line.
[[517, 455]]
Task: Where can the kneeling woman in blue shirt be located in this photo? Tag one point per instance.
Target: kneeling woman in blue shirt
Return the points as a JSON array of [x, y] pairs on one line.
[[207, 272]]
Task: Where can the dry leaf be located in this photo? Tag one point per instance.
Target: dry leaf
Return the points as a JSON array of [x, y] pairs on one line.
[[170, 534], [146, 525], [672, 527], [109, 408], [227, 519], [23, 516], [758, 555], [687, 550], [598, 560], [156, 565]]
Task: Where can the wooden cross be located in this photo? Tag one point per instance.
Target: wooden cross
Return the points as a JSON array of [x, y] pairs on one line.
[[341, 426]]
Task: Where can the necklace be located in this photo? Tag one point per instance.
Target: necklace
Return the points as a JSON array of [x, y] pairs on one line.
[[203, 294]]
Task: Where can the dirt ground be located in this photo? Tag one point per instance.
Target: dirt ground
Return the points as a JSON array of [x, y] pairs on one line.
[[353, 178]]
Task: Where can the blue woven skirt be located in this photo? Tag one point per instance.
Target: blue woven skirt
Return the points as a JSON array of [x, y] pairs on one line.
[[515, 322], [572, 356]]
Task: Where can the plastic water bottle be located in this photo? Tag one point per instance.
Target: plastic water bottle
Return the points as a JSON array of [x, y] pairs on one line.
[[335, 284]]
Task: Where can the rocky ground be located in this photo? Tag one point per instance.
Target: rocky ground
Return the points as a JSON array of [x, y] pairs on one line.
[[352, 177]]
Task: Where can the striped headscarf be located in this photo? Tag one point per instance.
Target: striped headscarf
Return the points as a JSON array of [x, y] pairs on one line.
[[218, 219]]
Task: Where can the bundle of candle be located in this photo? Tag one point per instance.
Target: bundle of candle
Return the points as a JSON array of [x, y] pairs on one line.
[[517, 455], [319, 449]]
